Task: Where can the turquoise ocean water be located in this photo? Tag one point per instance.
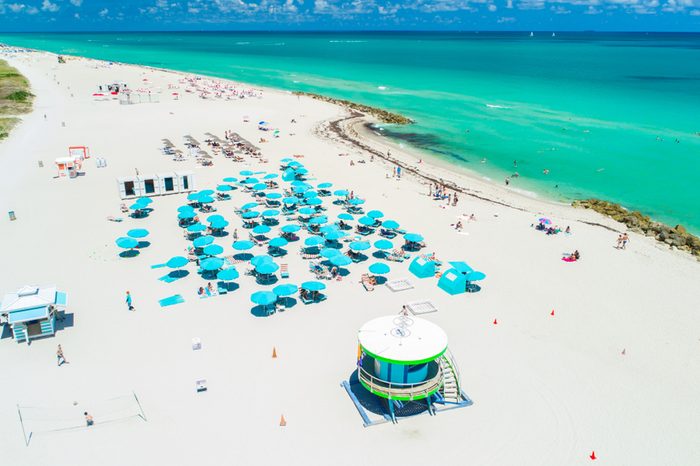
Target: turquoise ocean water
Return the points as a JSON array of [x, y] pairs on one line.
[[612, 116]]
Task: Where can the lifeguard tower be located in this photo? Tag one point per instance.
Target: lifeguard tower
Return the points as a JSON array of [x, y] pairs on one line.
[[404, 361]]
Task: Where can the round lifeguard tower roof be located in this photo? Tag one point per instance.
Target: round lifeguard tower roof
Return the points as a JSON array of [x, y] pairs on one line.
[[402, 339]]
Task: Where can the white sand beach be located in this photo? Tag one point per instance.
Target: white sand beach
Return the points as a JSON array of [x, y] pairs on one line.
[[614, 370]]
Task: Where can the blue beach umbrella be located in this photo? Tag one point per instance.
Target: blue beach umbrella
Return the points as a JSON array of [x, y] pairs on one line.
[[290, 200], [176, 262], [310, 193], [219, 224], [229, 179], [359, 245], [213, 250], [261, 230], [243, 245], [318, 220], [215, 218], [375, 214], [264, 298], [329, 253], [390, 224], [245, 173], [193, 196], [259, 187], [301, 171], [341, 192], [334, 235], [307, 211], [366, 221], [196, 228], [314, 241], [291, 228], [203, 241], [475, 276], [185, 208], [271, 213], [186, 215], [285, 289], [251, 214], [145, 201], [379, 268], [324, 185], [205, 199], [251, 181], [250, 205], [266, 268], [224, 188], [137, 206], [340, 260], [413, 237], [126, 243], [227, 275], [301, 188], [212, 263], [314, 201], [313, 286], [137, 233], [346, 217], [273, 196], [270, 176], [356, 201], [295, 163], [262, 258], [278, 242], [206, 192], [383, 244]]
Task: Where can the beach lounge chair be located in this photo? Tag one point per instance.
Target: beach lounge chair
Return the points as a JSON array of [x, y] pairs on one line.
[[367, 282], [397, 255], [402, 284], [284, 271]]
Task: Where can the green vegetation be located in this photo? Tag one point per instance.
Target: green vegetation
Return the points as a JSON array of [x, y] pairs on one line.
[[15, 98]]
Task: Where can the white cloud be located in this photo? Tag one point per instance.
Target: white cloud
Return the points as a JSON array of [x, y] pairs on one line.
[[46, 5], [16, 7]]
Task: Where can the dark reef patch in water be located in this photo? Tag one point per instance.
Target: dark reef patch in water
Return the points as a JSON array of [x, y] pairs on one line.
[[423, 141]]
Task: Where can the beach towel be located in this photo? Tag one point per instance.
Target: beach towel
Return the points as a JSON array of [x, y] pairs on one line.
[[171, 300], [568, 259]]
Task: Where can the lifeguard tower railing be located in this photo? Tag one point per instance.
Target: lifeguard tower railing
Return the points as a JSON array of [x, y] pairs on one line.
[[400, 391]]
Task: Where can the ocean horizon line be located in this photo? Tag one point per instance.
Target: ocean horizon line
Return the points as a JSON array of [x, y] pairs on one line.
[[357, 31]]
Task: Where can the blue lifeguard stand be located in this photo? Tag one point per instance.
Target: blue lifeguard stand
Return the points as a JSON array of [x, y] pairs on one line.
[[31, 311], [422, 268]]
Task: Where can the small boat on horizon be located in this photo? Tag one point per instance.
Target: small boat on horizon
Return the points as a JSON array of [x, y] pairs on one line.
[[532, 34]]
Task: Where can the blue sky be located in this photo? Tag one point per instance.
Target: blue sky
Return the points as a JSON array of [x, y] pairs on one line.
[[110, 15]]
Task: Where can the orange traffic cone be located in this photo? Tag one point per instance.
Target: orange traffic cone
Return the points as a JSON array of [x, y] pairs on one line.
[[495, 321], [592, 456], [552, 313], [274, 352], [283, 421]]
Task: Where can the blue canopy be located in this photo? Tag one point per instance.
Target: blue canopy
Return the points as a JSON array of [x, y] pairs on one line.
[[313, 286], [202, 241], [366, 221], [206, 192], [212, 263], [219, 224], [314, 241], [251, 214], [359, 245], [186, 215], [390, 224], [243, 245], [413, 237], [259, 187], [320, 220], [144, 201], [475, 276], [356, 201], [245, 173], [229, 179], [310, 193], [383, 244], [193, 196], [286, 289], [137, 233], [185, 208], [215, 217], [205, 199], [334, 235], [341, 260], [267, 268], [251, 181], [196, 227], [341, 192], [261, 230], [227, 275], [345, 216], [379, 268], [422, 268], [126, 243], [324, 185], [307, 211], [270, 176], [375, 214], [176, 262], [329, 252], [301, 188], [213, 250], [263, 298], [224, 188], [301, 171], [262, 258], [291, 228], [314, 201], [250, 205], [273, 195], [137, 206], [271, 213], [461, 267], [290, 200], [278, 242]]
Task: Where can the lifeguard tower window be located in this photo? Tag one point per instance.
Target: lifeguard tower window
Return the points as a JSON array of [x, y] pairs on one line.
[[185, 183], [169, 185], [150, 186], [129, 188]]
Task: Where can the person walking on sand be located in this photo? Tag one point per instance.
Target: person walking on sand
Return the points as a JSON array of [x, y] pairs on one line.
[[129, 302], [60, 358], [89, 421], [625, 240], [619, 242]]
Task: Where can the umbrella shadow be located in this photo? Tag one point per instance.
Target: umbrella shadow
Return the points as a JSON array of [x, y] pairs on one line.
[[333, 245], [262, 311], [277, 252], [288, 302], [380, 279], [180, 273], [129, 253], [266, 279], [220, 234], [64, 321], [472, 288], [243, 256], [379, 255], [230, 287], [143, 244]]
